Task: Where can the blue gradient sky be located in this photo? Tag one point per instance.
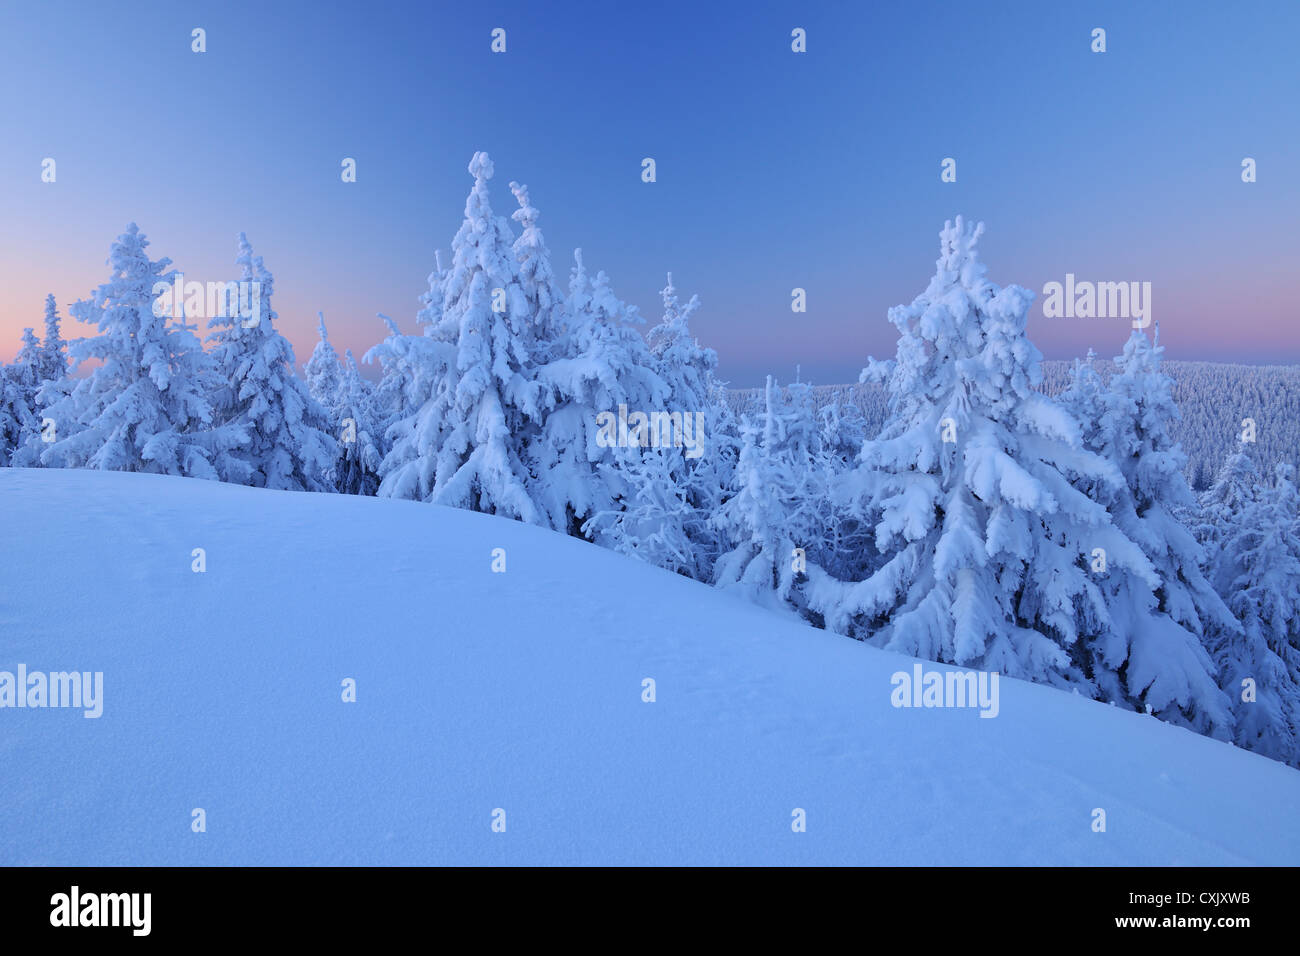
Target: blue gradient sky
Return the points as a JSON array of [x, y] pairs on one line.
[[775, 170]]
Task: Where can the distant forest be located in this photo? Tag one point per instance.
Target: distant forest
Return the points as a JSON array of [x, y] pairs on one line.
[[1214, 398]]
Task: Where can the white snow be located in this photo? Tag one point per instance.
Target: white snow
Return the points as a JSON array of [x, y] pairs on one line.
[[522, 691]]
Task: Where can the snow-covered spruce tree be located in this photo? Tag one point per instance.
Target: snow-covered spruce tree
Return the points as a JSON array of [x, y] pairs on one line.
[[324, 377], [758, 564], [322, 374], [799, 445], [843, 430], [986, 543], [144, 408], [1219, 508], [689, 371], [598, 366], [476, 362], [546, 301], [682, 363], [775, 522], [16, 419], [849, 552], [643, 507], [591, 360], [357, 471], [1085, 399], [26, 367], [650, 518], [402, 387], [1256, 568], [18, 406], [53, 362], [1153, 655], [50, 370], [710, 481], [291, 446], [1104, 651]]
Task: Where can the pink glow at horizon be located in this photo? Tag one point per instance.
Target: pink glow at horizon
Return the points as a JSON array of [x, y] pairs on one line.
[[1199, 320]]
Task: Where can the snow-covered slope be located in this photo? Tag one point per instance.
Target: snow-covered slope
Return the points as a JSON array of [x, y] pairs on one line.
[[523, 691]]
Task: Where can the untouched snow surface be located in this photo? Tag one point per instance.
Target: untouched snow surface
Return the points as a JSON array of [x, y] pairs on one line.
[[522, 691]]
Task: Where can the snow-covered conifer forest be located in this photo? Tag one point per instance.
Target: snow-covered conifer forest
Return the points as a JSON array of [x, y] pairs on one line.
[[1122, 528]]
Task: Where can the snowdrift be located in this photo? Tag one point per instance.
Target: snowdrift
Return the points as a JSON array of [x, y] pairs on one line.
[[522, 691]]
